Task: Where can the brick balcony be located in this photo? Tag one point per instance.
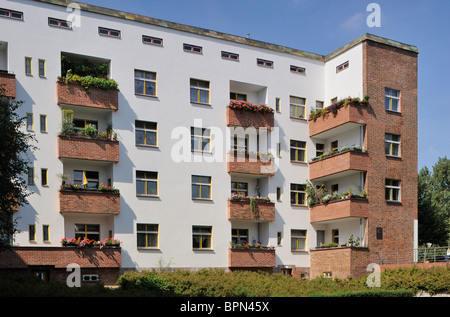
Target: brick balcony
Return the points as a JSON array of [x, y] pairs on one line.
[[8, 82], [75, 94], [251, 258], [241, 118], [342, 262], [345, 115], [342, 162], [341, 208], [86, 148], [239, 209], [245, 164], [89, 202]]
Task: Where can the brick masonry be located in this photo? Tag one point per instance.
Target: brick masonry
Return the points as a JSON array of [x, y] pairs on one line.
[[241, 118], [8, 82], [89, 202], [353, 207], [74, 94], [250, 165], [85, 148], [240, 210], [251, 258]]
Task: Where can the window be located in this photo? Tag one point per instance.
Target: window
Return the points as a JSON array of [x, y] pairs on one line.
[[392, 190], [335, 235], [46, 233], [278, 193], [342, 67], [30, 123], [298, 151], [90, 278], [192, 48], [334, 146], [379, 231], [298, 194], [201, 187], [42, 71], [87, 231], [238, 188], [88, 179], [146, 183], [298, 240], [11, 14], [319, 104], [392, 144], [240, 144], [333, 101], [32, 232], [264, 63], [230, 56], [152, 40], [60, 23], [147, 235], [199, 91], [145, 83], [334, 188], [200, 139], [298, 70], [277, 105], [279, 149], [320, 149], [28, 66], [43, 121], [30, 176], [392, 100], [201, 237], [80, 124], [146, 133], [44, 177], [108, 32], [236, 96], [279, 238], [239, 236], [297, 107]]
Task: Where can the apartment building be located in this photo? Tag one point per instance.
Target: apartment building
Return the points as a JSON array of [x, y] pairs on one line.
[[320, 180]]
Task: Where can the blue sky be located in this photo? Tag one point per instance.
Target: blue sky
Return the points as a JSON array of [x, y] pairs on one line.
[[321, 26]]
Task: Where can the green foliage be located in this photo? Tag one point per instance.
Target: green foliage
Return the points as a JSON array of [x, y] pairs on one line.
[[145, 281], [89, 81], [84, 68]]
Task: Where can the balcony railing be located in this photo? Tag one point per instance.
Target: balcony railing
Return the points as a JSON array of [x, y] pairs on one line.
[[8, 83], [340, 208], [244, 114], [88, 148], [255, 164], [75, 94], [341, 162], [251, 258], [82, 201], [251, 209]]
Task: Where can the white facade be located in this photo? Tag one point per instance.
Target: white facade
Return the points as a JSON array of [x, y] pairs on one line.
[[173, 210]]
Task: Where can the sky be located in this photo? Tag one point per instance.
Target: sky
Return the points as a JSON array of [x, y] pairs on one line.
[[321, 26]]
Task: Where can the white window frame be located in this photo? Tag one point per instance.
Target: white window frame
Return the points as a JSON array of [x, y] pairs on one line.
[[297, 192], [297, 149], [199, 138], [391, 187], [202, 231], [148, 231], [298, 235], [391, 97], [149, 177], [194, 84], [147, 130], [293, 102], [152, 82], [392, 143], [201, 185]]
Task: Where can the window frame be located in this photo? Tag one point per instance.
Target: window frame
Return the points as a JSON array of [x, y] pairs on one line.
[[342, 67], [201, 185], [88, 179], [297, 192], [147, 179], [298, 70], [100, 28], [293, 103], [83, 234], [264, 63], [30, 66], [60, 23], [11, 12], [198, 231], [392, 188], [197, 140], [194, 84], [320, 149], [239, 235], [30, 181], [146, 130], [32, 232], [46, 233], [190, 48], [44, 73], [148, 232], [44, 177], [152, 40], [30, 116], [238, 191], [228, 56], [297, 149], [298, 235], [146, 81], [391, 97], [391, 144], [43, 125]]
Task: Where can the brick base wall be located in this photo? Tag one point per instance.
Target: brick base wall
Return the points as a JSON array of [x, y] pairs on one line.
[[241, 118], [8, 83], [89, 202]]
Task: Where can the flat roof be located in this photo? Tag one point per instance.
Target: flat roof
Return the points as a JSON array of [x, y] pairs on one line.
[[228, 37]]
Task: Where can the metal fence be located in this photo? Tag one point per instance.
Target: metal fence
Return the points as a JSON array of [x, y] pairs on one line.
[[419, 255]]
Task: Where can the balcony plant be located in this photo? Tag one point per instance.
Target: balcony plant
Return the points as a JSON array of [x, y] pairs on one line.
[[343, 103], [256, 199], [248, 106], [79, 187], [82, 243], [352, 148], [320, 195], [249, 246]]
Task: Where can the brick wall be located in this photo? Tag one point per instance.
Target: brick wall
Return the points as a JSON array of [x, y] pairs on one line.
[[89, 202], [240, 210], [351, 160], [354, 207], [250, 165], [389, 67], [256, 258], [8, 82], [74, 94], [241, 118], [85, 148]]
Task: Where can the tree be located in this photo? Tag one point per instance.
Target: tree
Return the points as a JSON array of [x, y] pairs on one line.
[[434, 203], [14, 144]]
